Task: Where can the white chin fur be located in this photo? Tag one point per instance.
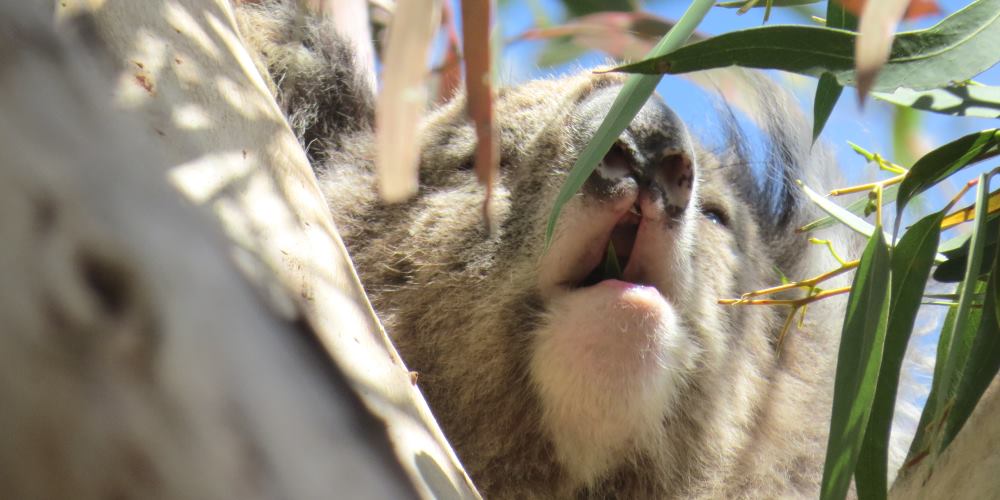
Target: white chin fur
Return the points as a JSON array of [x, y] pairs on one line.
[[607, 364]]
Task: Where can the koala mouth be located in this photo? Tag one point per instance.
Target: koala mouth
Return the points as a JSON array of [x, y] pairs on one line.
[[619, 250]]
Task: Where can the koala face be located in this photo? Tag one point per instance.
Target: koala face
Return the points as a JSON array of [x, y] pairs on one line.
[[552, 378]]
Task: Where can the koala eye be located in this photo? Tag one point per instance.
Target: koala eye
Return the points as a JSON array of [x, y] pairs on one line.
[[715, 215]]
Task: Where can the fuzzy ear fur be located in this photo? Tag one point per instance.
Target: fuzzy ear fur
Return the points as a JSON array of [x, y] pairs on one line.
[[318, 81]]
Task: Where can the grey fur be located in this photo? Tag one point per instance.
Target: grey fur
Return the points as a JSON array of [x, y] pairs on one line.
[[472, 311]]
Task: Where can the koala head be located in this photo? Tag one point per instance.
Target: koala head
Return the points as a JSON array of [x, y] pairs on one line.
[[551, 376]]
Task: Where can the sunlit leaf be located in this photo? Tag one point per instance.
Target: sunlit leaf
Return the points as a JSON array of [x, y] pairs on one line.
[[857, 207], [969, 213], [982, 101], [858, 363], [958, 48], [838, 213], [912, 260]]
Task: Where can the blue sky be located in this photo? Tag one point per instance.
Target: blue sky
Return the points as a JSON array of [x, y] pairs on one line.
[[869, 127]]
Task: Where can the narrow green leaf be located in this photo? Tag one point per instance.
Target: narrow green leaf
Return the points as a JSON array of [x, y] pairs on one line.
[[839, 213], [964, 333], [827, 93], [858, 364], [912, 259], [937, 165], [612, 268], [857, 207], [982, 101], [983, 359], [926, 428], [837, 16], [630, 100], [958, 48], [827, 89]]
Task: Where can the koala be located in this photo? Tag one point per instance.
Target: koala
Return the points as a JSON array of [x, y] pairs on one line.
[[550, 376]]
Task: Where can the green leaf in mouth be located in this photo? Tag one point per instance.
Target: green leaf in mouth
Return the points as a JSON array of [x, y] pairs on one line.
[[612, 268]]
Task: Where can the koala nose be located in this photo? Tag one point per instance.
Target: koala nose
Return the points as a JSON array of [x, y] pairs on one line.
[[652, 159]]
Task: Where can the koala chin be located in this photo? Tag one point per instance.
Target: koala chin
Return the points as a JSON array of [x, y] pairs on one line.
[[553, 374]]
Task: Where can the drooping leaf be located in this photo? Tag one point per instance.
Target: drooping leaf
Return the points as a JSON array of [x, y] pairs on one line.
[[858, 363], [946, 160], [827, 93], [876, 28], [957, 48], [827, 89], [981, 101], [963, 336], [912, 260], [630, 100], [927, 426], [984, 358]]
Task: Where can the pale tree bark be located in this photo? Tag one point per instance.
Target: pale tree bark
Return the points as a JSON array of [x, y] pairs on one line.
[[969, 468], [143, 352]]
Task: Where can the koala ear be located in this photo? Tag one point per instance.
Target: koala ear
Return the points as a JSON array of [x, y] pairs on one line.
[[787, 155]]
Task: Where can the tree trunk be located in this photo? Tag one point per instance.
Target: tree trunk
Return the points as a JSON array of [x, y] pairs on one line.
[[145, 353]]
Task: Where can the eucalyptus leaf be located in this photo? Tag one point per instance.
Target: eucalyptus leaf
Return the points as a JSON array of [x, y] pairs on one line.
[[984, 359], [961, 341], [958, 48], [840, 214], [857, 207], [939, 164], [981, 101], [920, 446], [827, 89], [912, 259], [858, 364]]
